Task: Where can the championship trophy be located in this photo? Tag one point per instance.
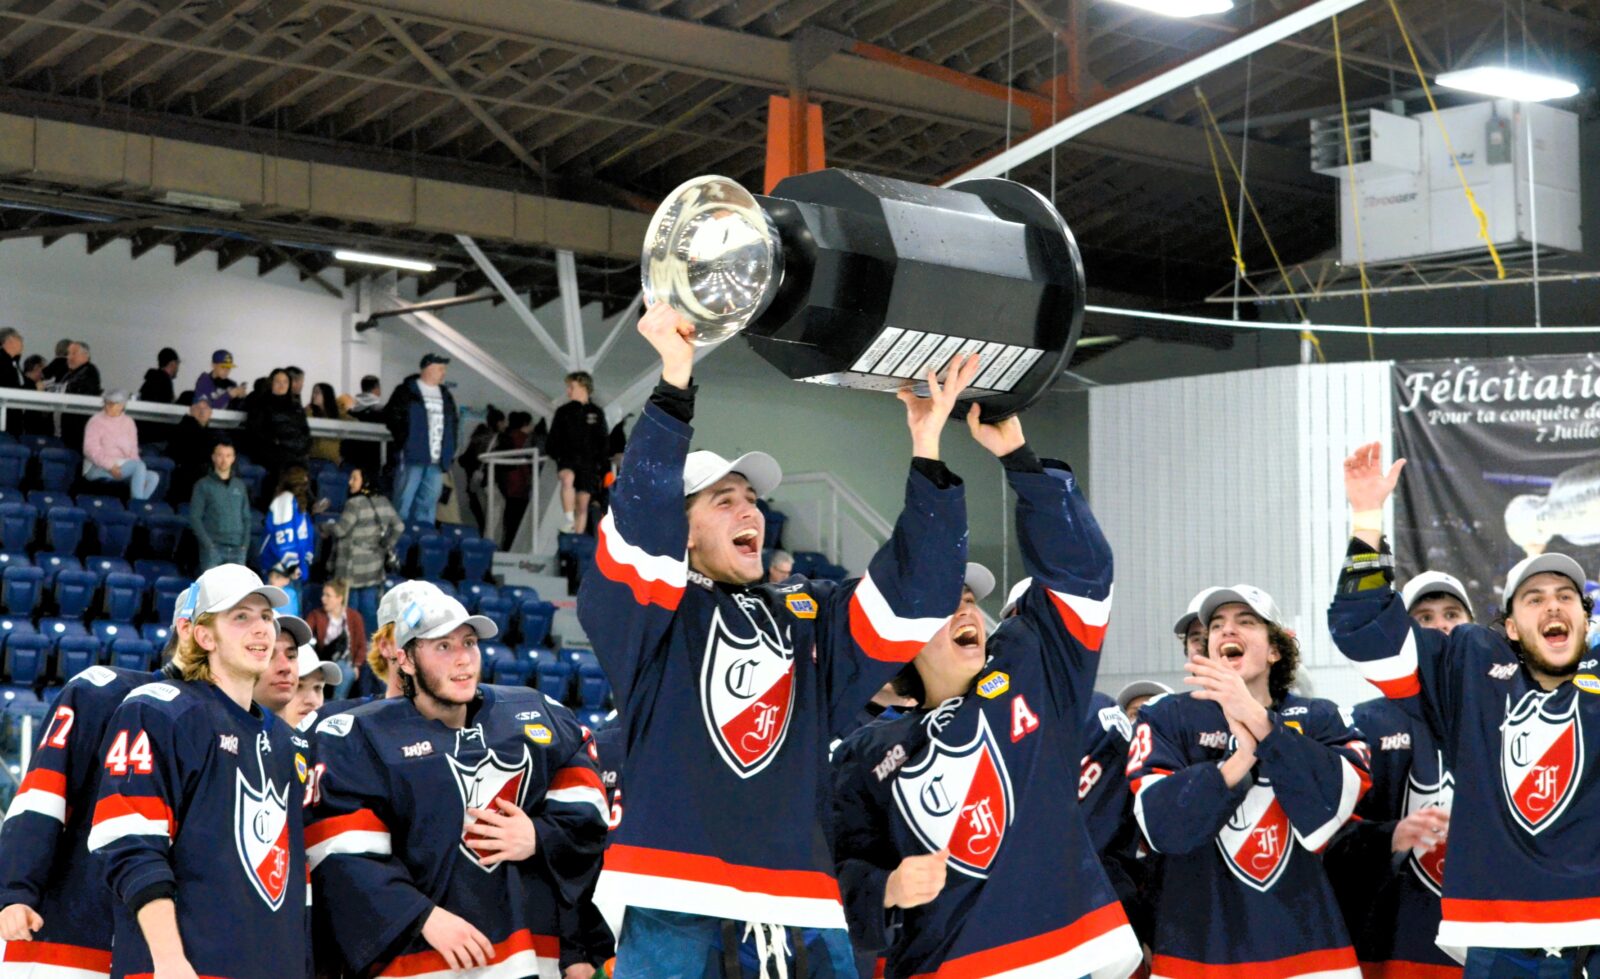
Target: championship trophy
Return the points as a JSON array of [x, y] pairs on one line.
[[858, 281]]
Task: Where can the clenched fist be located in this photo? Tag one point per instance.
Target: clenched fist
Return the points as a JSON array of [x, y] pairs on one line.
[[916, 881]]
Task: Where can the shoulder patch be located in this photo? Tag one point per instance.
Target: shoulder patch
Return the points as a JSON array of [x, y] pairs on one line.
[[157, 691], [1113, 719], [994, 685], [538, 733], [336, 726], [803, 606], [1587, 682], [97, 675]]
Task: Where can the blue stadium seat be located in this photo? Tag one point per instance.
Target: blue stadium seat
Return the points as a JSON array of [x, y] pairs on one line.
[[253, 476], [459, 532], [56, 630], [477, 557], [555, 677], [433, 553], [417, 529], [580, 657], [533, 621], [11, 495], [109, 632], [124, 596], [156, 632], [26, 657], [75, 591], [145, 509], [38, 443], [64, 528], [151, 569], [473, 592], [404, 544], [13, 464], [21, 589], [164, 594], [54, 564], [134, 654], [45, 499], [333, 485], [114, 531], [164, 534], [498, 611], [490, 653], [17, 524], [104, 564], [163, 468], [514, 671], [594, 720], [9, 560], [594, 690], [775, 520], [96, 504], [58, 469], [519, 593], [74, 654], [391, 580]]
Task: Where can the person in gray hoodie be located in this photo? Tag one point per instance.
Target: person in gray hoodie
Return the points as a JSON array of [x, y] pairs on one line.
[[219, 511]]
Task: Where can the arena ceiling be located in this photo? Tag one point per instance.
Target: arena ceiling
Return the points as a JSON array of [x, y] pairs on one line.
[[614, 103]]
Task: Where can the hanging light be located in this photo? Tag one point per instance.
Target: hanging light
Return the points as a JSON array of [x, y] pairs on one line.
[[1180, 8], [388, 261], [1509, 83]]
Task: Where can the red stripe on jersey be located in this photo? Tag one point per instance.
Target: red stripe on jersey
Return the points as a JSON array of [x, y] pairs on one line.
[[44, 780], [1091, 636], [710, 870], [1521, 912], [1326, 960], [54, 953], [1031, 951], [645, 590], [360, 821], [1408, 970], [422, 963], [1133, 786], [878, 968], [149, 807], [576, 778], [874, 644], [1399, 688]]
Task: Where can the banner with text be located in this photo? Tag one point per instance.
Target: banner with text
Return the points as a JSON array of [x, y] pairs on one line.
[[1503, 461]]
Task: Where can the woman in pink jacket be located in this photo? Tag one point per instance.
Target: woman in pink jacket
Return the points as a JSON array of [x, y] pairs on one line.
[[111, 448]]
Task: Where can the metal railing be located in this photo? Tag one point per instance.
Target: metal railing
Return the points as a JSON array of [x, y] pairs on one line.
[[491, 490], [832, 509]]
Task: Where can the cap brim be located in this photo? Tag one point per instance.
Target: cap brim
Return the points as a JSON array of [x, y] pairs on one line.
[[481, 624], [980, 579], [331, 673], [299, 630], [759, 469], [1180, 628], [1015, 595], [276, 598], [1140, 688], [1229, 596]]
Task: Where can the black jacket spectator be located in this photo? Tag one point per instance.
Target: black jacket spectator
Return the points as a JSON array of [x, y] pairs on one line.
[[276, 423], [190, 451], [157, 387], [407, 418]]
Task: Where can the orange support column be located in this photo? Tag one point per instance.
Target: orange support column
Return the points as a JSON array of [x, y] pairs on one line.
[[794, 140]]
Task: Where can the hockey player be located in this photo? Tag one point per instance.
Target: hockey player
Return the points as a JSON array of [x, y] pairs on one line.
[[961, 845], [1191, 632], [1238, 785], [382, 651], [1387, 865], [1518, 723], [198, 819], [730, 688], [277, 684], [451, 824]]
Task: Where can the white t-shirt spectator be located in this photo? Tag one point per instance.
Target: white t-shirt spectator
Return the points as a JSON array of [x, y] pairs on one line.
[[433, 401]]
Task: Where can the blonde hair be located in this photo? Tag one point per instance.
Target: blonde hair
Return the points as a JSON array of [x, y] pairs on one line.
[[192, 659], [375, 657]]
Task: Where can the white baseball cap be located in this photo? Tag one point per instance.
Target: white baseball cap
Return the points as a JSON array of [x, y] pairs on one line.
[[226, 585], [1140, 688], [295, 626], [1259, 601], [1181, 627], [183, 607], [980, 579], [1015, 595], [435, 615], [703, 468], [309, 663], [400, 596], [1432, 583], [1541, 564]]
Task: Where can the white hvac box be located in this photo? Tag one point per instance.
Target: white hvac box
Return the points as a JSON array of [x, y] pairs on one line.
[[1423, 214]]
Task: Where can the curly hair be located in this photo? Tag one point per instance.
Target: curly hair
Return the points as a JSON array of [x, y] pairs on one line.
[[1281, 676]]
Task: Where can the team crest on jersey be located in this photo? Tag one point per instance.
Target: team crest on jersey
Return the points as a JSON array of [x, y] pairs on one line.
[[1541, 759], [959, 796], [481, 783], [261, 831], [746, 695], [1256, 840], [1429, 866]]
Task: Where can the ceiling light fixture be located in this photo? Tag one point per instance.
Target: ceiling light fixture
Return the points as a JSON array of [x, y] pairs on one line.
[[1180, 8], [390, 261], [1508, 83]]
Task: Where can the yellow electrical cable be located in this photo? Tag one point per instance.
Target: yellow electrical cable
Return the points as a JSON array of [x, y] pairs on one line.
[[1355, 190], [1472, 200], [1227, 154], [1227, 212]]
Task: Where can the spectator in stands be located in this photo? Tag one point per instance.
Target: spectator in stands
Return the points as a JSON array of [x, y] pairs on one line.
[[364, 538], [339, 633], [579, 443], [11, 363], [325, 404], [297, 382], [33, 372], [366, 407], [213, 386], [781, 567], [289, 530], [516, 480], [309, 696], [157, 386], [190, 449], [82, 377], [33, 422], [280, 439], [480, 441], [57, 368], [111, 449], [284, 575], [422, 416], [219, 511]]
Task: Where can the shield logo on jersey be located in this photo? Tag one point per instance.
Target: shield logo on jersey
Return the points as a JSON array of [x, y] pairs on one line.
[[1429, 867], [1541, 758], [480, 784], [746, 695], [1257, 839], [959, 796], [261, 833]]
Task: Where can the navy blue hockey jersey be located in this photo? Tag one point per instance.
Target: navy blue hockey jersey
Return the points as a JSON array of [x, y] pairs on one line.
[[1524, 870], [1240, 889], [990, 776], [389, 838], [729, 695], [1103, 776], [44, 854], [1391, 900], [199, 793]]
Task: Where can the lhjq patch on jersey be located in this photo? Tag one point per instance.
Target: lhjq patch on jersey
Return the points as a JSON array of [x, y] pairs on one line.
[[960, 797], [746, 695]]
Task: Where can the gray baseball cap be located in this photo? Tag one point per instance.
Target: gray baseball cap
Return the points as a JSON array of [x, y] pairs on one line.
[[435, 615]]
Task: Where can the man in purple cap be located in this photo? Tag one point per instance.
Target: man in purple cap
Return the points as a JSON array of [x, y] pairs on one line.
[[213, 386]]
